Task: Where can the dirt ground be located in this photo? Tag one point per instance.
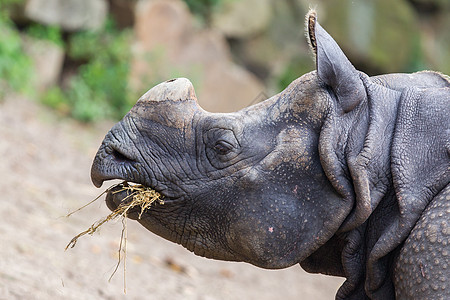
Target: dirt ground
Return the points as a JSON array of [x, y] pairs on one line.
[[44, 174]]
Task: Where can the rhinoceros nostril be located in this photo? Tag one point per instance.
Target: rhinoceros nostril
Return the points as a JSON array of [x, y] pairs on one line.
[[119, 156]]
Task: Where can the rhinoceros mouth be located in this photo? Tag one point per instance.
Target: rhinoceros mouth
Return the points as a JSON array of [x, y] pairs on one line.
[[122, 194], [113, 163]]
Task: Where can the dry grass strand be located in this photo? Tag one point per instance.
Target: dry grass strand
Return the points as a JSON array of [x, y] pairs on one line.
[[137, 195], [140, 196]]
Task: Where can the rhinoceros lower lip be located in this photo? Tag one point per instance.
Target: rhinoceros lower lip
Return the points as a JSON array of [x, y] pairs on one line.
[[115, 196]]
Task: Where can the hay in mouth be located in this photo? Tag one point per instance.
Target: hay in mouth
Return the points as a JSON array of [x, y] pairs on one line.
[[137, 196]]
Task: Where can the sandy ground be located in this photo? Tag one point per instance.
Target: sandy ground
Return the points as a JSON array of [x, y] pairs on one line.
[[44, 174]]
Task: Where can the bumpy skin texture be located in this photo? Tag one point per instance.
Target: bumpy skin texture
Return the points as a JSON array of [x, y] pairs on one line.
[[420, 276], [345, 174]]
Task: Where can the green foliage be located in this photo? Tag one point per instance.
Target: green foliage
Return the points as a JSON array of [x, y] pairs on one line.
[[203, 8], [109, 43], [100, 88], [55, 98], [416, 60], [6, 6], [48, 33], [292, 71], [15, 66], [4, 3]]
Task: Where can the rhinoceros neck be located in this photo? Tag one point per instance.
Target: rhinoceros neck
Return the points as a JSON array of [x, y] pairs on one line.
[[383, 154], [355, 151]]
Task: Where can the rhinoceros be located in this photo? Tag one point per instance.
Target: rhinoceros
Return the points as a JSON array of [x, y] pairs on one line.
[[342, 173]]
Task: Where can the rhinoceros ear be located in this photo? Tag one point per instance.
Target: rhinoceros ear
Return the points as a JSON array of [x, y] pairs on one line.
[[333, 67]]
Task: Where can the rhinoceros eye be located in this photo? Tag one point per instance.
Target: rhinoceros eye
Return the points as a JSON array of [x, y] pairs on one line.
[[223, 147]]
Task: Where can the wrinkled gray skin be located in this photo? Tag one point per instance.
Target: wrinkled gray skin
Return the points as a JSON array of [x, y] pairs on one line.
[[345, 174]]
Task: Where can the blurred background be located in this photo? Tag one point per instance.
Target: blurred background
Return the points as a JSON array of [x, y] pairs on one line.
[[91, 59], [70, 68]]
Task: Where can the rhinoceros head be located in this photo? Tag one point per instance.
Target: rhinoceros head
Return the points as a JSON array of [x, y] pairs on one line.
[[255, 185]]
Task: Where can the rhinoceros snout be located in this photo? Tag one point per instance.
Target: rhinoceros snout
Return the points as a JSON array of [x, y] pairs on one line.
[[112, 163]]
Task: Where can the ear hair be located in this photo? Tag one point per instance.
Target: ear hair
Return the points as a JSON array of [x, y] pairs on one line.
[[310, 25]]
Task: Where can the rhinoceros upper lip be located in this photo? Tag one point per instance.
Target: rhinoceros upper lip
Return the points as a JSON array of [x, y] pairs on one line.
[[112, 163], [110, 158]]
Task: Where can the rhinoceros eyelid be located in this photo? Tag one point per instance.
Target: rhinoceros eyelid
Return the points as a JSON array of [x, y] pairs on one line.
[[223, 147]]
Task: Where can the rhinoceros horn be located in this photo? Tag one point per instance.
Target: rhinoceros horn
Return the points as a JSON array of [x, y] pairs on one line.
[[179, 89], [171, 103]]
